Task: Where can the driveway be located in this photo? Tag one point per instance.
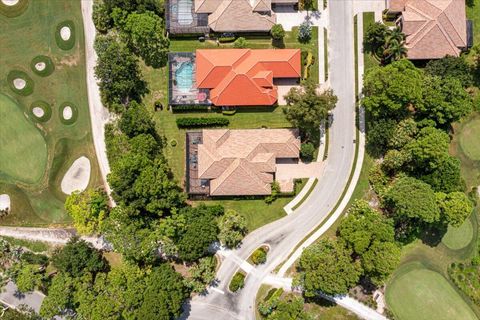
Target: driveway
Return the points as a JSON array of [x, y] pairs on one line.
[[13, 299], [290, 171]]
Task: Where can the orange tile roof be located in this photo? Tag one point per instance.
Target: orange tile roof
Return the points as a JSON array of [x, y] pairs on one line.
[[244, 77], [434, 28], [242, 162]]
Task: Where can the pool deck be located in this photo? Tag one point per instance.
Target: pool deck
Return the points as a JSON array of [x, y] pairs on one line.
[[178, 93]]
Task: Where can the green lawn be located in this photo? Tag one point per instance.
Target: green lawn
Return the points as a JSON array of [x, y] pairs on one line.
[[20, 139], [32, 33], [470, 139], [458, 238], [417, 293], [473, 13], [369, 61]]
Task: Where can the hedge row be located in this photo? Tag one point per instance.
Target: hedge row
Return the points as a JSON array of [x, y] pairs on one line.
[[202, 122], [190, 108]]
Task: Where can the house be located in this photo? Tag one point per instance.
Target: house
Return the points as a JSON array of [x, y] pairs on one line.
[[231, 77], [433, 28], [223, 162], [238, 16]]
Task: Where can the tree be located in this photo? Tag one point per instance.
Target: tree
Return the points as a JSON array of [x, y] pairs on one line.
[[428, 150], [327, 266], [307, 151], [232, 228], [380, 261], [363, 226], [451, 67], [88, 209], [394, 160], [277, 32], [137, 120], [413, 199], [372, 239], [394, 51], [78, 257], [202, 274], [28, 277], [393, 91], [447, 177], [291, 307], [405, 131], [240, 43], [201, 232], [145, 35], [59, 297], [304, 32], [118, 72], [444, 101], [164, 294], [374, 37], [101, 17], [455, 207], [379, 135], [306, 109]]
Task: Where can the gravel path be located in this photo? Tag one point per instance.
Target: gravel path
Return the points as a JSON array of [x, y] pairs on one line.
[[98, 114]]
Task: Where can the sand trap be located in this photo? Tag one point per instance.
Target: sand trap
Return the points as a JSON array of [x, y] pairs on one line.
[[4, 201], [38, 112], [10, 2], [40, 66], [65, 33], [19, 83], [67, 113], [77, 176]]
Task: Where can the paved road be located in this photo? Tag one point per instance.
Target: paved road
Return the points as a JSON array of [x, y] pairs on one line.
[[283, 235]]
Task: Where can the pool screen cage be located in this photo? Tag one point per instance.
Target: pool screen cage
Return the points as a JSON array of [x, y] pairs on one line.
[[178, 93], [182, 19]]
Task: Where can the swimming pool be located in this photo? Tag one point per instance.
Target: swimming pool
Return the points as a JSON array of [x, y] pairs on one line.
[[184, 12], [184, 77]]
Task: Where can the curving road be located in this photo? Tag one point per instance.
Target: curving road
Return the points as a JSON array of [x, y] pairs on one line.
[[283, 235]]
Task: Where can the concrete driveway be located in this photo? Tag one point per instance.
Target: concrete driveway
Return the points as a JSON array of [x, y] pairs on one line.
[[12, 298]]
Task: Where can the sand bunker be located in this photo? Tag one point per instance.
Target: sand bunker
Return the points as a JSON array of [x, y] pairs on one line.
[[10, 2], [65, 33], [4, 201], [40, 66], [67, 113], [19, 83], [77, 176], [38, 112]]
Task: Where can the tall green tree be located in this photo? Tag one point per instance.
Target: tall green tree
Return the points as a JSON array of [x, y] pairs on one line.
[[145, 35], [88, 210], [327, 266], [428, 150], [59, 297], [451, 67], [393, 91], [306, 109], [78, 257], [232, 228], [118, 72], [455, 207]]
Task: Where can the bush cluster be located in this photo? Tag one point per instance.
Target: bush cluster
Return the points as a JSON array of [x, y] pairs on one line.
[[182, 108], [237, 283], [259, 256], [202, 122]]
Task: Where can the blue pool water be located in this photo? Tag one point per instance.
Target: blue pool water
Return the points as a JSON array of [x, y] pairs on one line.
[[184, 77]]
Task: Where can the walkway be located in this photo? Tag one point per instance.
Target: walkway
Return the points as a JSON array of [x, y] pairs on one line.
[[99, 115]]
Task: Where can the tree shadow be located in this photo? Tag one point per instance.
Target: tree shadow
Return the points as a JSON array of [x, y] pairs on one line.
[[432, 235], [278, 43]]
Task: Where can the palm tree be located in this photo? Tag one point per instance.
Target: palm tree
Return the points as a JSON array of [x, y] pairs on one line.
[[395, 34], [394, 50]]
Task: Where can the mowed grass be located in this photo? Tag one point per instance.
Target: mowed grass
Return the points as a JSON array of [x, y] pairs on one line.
[[417, 293], [458, 238], [470, 139], [22, 147], [23, 38]]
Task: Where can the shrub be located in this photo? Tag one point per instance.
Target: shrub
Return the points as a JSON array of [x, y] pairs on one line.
[[202, 122], [306, 151], [173, 143], [277, 32], [237, 283], [259, 256], [226, 39], [240, 43], [229, 112], [304, 32], [189, 108], [275, 193]]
